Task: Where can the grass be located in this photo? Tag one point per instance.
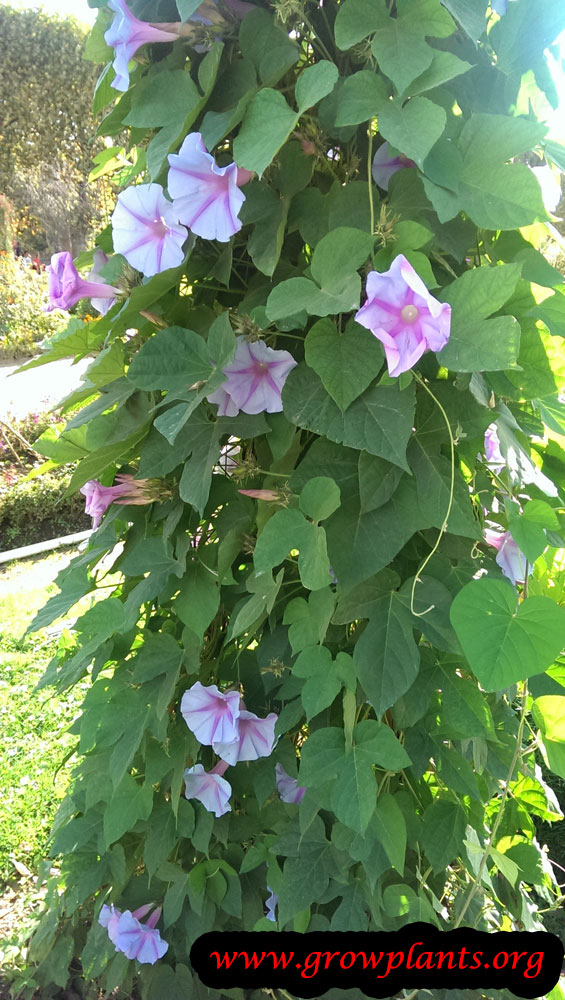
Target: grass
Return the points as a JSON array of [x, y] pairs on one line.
[[35, 741]]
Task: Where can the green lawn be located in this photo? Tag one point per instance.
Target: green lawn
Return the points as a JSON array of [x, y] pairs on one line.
[[33, 774]]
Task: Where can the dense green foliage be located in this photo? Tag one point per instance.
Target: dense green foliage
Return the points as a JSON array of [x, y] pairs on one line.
[[23, 321], [46, 128], [414, 692]]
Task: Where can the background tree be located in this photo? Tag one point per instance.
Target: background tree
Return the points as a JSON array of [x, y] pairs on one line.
[[46, 127]]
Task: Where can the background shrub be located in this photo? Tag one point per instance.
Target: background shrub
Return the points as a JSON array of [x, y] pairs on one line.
[[23, 322], [38, 510]]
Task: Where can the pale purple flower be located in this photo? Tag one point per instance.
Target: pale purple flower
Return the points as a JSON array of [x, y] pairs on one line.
[[127, 34], [401, 313], [146, 230], [288, 788], [509, 557], [99, 498], [211, 715], [206, 197], [384, 165], [210, 788], [140, 941], [271, 904], [102, 305], [493, 454], [225, 404], [109, 918], [255, 378], [255, 739], [66, 286]]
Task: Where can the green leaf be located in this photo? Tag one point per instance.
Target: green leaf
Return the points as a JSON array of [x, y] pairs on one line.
[[314, 83], [263, 207], [386, 657], [476, 343], [428, 17], [199, 598], [346, 363], [149, 554], [356, 19], [173, 359], [362, 544], [306, 876], [342, 251], [324, 677], [470, 14], [268, 46], [324, 758], [186, 8], [389, 827], [466, 712], [433, 475], [530, 538], [129, 803], [351, 914], [401, 54], [414, 128], [443, 833], [267, 124], [309, 621], [194, 486], [506, 642], [539, 512], [163, 98], [444, 66], [360, 98], [549, 713], [290, 298], [380, 421], [377, 481], [320, 498], [264, 590], [289, 529]]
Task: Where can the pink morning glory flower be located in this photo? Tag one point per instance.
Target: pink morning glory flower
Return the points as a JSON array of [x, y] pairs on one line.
[[493, 454], [206, 197], [140, 941], [146, 230], [224, 402], [211, 715], [210, 788], [109, 918], [271, 904], [288, 788], [127, 34], [401, 313], [99, 498], [384, 165], [255, 739], [255, 378], [66, 286], [102, 305], [509, 557]]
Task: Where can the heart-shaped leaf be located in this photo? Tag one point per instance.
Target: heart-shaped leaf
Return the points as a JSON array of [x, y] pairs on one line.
[[504, 641], [346, 363]]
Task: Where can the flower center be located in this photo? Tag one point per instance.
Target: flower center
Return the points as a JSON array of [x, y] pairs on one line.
[[409, 314], [261, 367], [160, 227]]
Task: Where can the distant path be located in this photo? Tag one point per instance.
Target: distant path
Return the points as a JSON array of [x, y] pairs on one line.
[[38, 389]]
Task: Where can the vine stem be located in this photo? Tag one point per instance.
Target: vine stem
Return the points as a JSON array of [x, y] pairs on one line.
[[370, 179], [498, 820], [417, 579]]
